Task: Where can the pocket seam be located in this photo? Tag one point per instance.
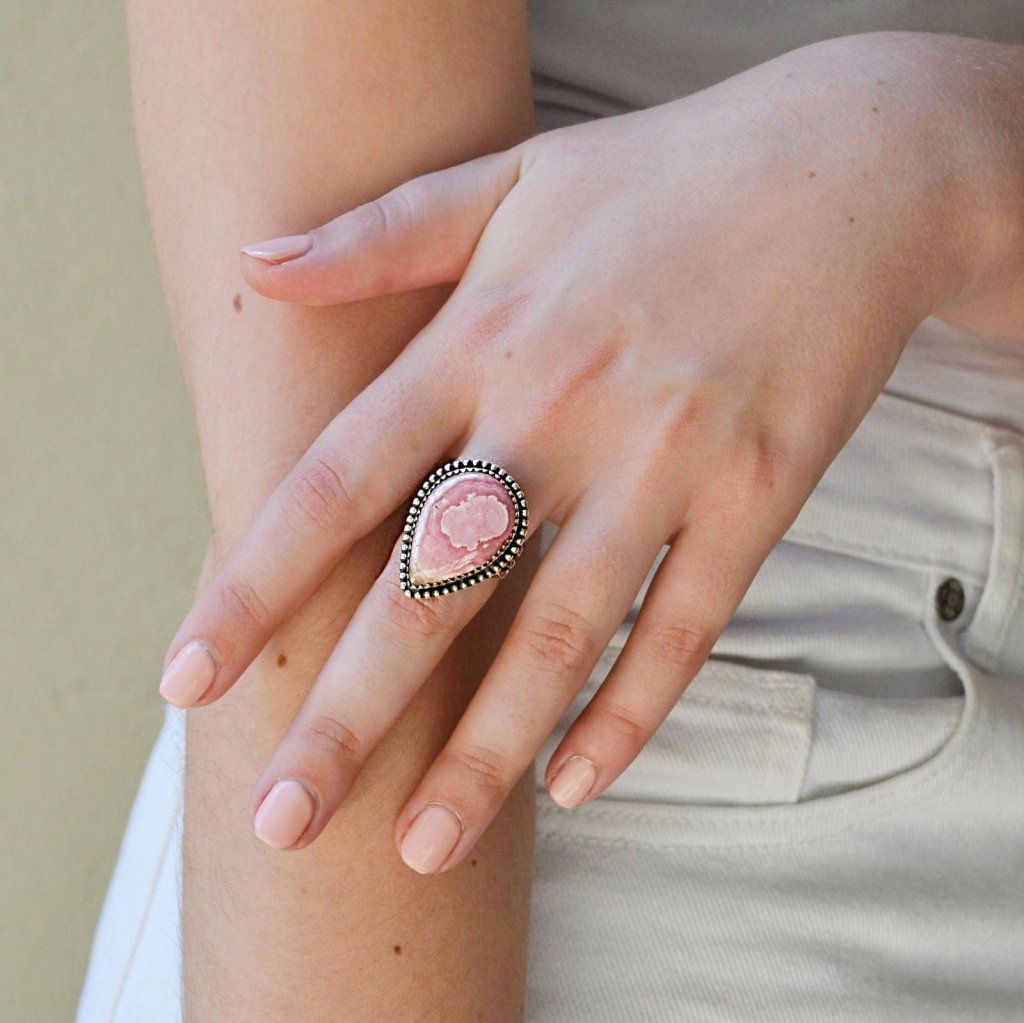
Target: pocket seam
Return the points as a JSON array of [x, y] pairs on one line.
[[874, 804], [779, 710], [797, 823]]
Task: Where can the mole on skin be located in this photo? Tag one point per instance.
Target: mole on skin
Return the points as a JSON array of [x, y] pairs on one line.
[[812, 174], [398, 950], [282, 660], [237, 302]]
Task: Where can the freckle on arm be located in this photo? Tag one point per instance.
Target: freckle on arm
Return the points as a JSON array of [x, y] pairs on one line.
[[282, 660], [237, 302]]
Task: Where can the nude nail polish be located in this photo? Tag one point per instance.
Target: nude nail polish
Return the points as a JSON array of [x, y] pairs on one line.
[[280, 250], [431, 838], [284, 814], [575, 778], [189, 675]]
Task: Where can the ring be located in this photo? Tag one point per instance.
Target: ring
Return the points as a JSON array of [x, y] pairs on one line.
[[466, 524]]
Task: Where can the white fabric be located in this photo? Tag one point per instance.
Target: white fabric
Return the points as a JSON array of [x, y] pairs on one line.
[[892, 887], [782, 849], [829, 826]]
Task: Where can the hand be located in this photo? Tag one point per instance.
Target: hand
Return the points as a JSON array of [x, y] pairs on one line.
[[666, 326]]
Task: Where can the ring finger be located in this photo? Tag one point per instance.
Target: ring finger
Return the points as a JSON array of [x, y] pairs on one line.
[[580, 595]]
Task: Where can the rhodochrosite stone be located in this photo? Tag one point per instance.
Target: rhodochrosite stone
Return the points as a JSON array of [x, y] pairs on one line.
[[464, 522]]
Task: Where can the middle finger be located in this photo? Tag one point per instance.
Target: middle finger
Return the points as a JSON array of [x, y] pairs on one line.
[[579, 596], [387, 651]]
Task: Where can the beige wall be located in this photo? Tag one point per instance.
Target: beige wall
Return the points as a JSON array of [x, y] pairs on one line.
[[101, 504]]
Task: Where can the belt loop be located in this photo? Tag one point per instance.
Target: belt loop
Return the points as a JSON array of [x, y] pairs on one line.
[[984, 636]]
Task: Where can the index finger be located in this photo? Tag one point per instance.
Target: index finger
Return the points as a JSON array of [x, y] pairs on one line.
[[368, 459]]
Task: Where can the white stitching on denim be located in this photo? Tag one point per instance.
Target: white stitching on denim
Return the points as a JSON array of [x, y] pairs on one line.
[[760, 708], [898, 555], [903, 407], [870, 801]]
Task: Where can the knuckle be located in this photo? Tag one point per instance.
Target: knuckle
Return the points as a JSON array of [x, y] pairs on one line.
[[390, 214], [488, 312], [243, 600], [774, 456], [757, 463], [320, 496], [486, 770], [678, 645], [338, 741], [585, 375], [558, 639], [763, 473], [627, 723], [686, 422], [412, 617]]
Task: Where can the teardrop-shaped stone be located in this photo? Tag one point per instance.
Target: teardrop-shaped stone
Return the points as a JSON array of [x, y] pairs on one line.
[[463, 523]]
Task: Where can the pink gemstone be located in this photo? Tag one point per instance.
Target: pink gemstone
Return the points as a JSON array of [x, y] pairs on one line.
[[463, 523]]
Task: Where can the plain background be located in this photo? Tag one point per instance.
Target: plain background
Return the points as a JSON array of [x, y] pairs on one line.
[[102, 506]]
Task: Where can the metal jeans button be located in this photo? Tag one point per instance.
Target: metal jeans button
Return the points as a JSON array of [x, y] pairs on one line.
[[949, 599]]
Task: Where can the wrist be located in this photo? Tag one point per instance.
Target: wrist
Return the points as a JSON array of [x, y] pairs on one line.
[[956, 101], [982, 83]]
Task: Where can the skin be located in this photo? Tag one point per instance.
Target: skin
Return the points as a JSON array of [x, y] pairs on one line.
[[249, 125], [710, 374], [667, 325]]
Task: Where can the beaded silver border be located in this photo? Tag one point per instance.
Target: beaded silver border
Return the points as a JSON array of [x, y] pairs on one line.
[[501, 561]]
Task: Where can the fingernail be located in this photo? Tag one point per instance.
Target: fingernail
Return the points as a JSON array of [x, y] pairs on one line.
[[575, 778], [431, 838], [188, 677], [280, 250], [284, 814]]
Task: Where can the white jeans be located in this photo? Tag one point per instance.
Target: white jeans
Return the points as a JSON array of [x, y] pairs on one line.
[[795, 843]]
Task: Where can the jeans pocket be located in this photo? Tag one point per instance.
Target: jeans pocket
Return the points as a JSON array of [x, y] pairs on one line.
[[738, 735], [756, 754]]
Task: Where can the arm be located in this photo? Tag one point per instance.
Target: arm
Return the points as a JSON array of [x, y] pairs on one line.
[[977, 87], [254, 121]]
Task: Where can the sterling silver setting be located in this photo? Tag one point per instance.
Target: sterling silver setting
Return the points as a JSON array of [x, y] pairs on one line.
[[500, 563]]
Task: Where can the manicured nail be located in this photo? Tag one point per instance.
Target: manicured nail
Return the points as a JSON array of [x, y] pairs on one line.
[[575, 778], [188, 677], [280, 250], [284, 814], [431, 838]]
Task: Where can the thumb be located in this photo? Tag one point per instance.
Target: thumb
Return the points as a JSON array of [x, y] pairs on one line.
[[421, 232]]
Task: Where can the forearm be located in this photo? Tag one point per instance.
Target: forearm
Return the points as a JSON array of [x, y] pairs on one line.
[[253, 122]]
